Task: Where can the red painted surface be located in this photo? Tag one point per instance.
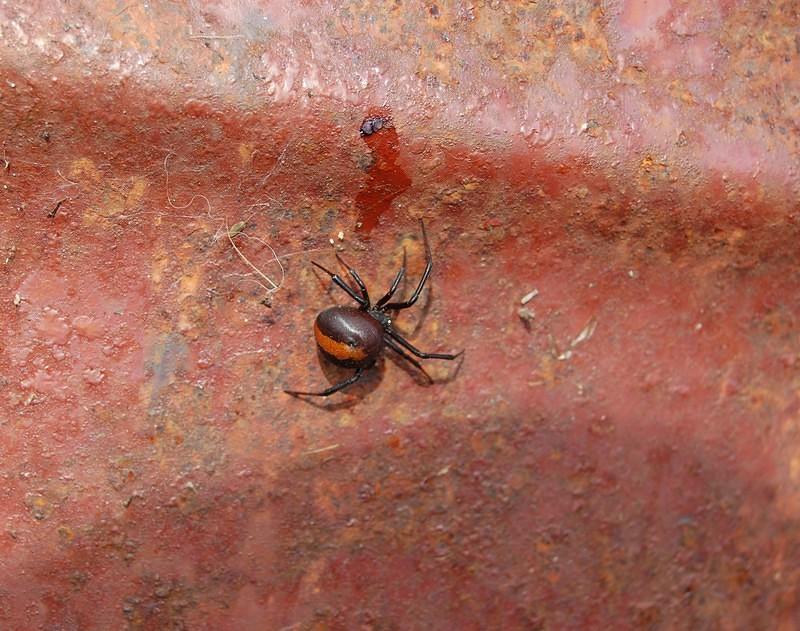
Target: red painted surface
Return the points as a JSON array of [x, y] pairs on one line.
[[623, 454]]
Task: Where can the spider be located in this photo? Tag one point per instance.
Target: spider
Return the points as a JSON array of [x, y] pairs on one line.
[[354, 337]]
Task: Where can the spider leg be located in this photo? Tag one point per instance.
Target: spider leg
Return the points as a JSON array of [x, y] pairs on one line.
[[428, 267], [333, 389], [404, 342], [397, 349], [343, 285], [395, 284], [361, 286]]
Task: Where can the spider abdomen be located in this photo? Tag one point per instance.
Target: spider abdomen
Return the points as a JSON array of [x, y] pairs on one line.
[[348, 336]]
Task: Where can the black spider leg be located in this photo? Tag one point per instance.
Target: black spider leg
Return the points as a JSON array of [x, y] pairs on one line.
[[333, 389], [428, 267], [395, 284], [361, 286], [404, 342], [397, 349], [364, 304]]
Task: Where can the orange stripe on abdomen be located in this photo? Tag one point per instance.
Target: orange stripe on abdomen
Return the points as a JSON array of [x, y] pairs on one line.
[[339, 350]]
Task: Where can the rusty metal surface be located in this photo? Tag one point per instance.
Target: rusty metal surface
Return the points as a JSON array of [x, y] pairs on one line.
[[622, 451]]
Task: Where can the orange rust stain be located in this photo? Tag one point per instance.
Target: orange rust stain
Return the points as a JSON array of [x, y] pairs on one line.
[[339, 350]]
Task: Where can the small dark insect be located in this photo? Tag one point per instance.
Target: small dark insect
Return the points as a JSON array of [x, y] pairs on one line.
[[354, 337], [53, 212], [372, 124]]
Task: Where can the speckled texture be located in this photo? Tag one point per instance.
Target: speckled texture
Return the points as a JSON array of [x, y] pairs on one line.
[[622, 451]]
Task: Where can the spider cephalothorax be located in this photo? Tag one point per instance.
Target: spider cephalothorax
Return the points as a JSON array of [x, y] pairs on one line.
[[354, 337]]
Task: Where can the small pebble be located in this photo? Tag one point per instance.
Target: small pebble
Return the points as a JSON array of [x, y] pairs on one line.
[[525, 314]]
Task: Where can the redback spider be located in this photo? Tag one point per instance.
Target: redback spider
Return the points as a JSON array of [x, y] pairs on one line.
[[354, 337]]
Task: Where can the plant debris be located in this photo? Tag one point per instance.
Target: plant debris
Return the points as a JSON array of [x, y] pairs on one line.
[[236, 228], [585, 334], [529, 296]]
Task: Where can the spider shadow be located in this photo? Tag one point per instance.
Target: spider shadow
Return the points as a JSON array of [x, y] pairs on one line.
[[456, 371], [415, 315], [354, 393], [416, 374], [412, 371]]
